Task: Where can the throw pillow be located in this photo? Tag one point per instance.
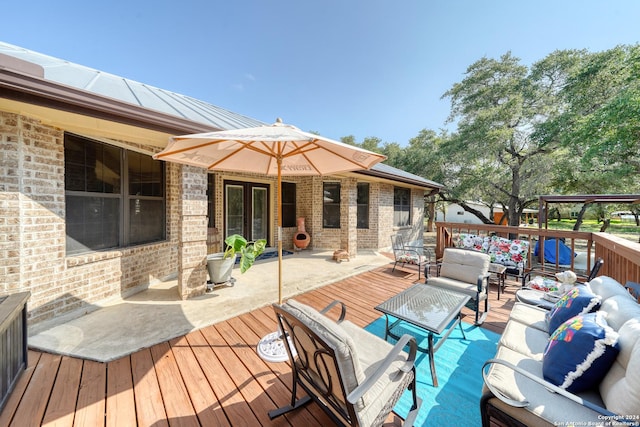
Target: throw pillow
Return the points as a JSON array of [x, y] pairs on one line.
[[578, 300], [580, 353]]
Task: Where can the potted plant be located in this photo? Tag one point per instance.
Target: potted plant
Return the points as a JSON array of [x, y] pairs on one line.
[[221, 265]]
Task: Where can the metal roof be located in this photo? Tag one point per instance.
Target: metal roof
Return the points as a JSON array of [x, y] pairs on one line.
[[131, 91], [167, 103]]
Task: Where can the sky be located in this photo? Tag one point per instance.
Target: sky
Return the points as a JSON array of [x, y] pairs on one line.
[[367, 68]]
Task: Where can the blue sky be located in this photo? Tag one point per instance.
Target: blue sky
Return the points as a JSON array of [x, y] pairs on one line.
[[338, 67]]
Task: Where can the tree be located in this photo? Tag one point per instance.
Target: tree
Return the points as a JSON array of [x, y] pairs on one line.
[[498, 105]]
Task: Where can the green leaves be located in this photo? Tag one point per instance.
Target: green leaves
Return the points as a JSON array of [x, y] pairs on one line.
[[248, 250]]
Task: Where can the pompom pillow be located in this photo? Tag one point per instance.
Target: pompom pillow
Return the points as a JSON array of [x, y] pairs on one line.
[[580, 353], [578, 300]]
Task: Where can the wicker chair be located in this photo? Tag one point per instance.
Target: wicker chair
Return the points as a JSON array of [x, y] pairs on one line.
[[356, 377]]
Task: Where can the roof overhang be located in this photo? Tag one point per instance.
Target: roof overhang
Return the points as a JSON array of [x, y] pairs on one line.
[[37, 91]]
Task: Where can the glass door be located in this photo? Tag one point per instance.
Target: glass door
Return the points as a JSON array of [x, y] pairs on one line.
[[246, 209]]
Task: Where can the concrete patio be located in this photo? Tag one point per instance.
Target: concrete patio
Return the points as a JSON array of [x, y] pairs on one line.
[[116, 328]]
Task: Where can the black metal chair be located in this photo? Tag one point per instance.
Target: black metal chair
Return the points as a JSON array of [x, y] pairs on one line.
[[406, 254], [354, 376]]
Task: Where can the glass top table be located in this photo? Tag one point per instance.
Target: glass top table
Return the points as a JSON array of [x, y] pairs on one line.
[[431, 308]]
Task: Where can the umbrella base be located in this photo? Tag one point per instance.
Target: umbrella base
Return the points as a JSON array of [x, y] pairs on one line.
[[271, 348]]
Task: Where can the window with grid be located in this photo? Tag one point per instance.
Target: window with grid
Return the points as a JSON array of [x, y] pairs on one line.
[[113, 197]]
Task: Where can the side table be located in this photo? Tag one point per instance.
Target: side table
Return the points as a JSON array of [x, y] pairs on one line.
[[500, 272]]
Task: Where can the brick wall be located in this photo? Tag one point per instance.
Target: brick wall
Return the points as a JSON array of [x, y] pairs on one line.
[[32, 231]]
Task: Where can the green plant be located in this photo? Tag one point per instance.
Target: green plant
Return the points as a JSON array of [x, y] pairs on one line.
[[248, 250]]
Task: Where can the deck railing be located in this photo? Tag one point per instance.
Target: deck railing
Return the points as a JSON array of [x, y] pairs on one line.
[[621, 257], [13, 341]]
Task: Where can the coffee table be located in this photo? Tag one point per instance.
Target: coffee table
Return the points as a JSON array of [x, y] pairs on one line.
[[431, 308]]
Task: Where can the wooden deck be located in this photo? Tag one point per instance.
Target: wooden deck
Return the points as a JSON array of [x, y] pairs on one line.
[[210, 377]]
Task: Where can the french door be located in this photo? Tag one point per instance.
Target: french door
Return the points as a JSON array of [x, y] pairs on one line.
[[246, 209]]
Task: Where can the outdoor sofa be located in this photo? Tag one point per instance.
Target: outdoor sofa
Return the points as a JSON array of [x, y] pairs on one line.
[[599, 365], [512, 253]]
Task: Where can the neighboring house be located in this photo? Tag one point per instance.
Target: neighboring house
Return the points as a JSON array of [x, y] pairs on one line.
[[86, 213], [453, 212]]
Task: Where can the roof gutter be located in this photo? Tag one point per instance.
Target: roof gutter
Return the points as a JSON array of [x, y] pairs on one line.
[[39, 91]]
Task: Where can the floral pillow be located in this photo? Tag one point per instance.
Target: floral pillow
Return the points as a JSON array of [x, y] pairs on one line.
[[578, 300], [580, 353], [471, 241], [511, 253]]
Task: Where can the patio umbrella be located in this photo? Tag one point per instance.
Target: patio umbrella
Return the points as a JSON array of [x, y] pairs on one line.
[[277, 149]]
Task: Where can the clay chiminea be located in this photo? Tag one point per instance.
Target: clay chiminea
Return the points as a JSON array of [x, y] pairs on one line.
[[301, 239]]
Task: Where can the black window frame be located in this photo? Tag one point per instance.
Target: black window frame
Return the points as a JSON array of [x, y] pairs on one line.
[[211, 200], [111, 211], [331, 207], [288, 204], [363, 202], [401, 206]]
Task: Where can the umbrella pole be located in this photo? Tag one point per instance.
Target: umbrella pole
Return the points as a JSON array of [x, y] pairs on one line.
[[279, 203]]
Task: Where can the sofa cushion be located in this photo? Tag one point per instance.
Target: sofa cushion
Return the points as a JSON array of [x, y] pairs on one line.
[[580, 352], [464, 265], [471, 241], [524, 339], [512, 253], [578, 300]]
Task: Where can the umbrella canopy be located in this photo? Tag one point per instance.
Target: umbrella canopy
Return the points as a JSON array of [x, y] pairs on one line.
[[277, 149], [258, 149]]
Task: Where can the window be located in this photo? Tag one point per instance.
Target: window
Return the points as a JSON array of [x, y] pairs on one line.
[[288, 204], [114, 197], [331, 205], [401, 206], [211, 200], [363, 205]]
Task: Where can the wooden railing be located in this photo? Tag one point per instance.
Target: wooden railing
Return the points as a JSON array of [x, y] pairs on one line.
[[13, 341], [621, 257]]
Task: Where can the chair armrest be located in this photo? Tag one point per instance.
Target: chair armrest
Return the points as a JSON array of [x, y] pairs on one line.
[[343, 309], [406, 339], [482, 278], [550, 387]]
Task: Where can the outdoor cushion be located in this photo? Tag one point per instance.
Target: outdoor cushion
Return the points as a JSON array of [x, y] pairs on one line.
[[411, 258], [530, 315], [512, 253], [525, 340], [471, 241], [464, 265], [579, 300], [467, 288], [580, 352]]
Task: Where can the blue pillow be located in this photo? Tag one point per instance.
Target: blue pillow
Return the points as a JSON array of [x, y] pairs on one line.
[[578, 300], [580, 353]]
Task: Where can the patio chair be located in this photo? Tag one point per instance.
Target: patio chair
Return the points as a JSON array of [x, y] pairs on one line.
[[406, 254], [467, 272], [356, 377]]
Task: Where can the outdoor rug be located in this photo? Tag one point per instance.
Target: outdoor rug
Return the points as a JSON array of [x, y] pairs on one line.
[[268, 255], [456, 402]]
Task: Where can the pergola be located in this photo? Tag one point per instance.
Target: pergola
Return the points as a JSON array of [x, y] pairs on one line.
[[543, 205]]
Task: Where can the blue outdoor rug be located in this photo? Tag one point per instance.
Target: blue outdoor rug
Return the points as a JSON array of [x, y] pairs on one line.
[[456, 402]]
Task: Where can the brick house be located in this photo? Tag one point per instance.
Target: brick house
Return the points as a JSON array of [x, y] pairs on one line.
[[86, 214]]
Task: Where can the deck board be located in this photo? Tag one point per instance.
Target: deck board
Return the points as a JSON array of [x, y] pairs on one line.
[[209, 377]]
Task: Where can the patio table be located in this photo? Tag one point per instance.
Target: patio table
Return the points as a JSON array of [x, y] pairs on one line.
[[431, 308]]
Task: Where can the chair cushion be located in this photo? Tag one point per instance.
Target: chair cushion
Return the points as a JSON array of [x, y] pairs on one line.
[[334, 335], [464, 265], [580, 352], [411, 258], [579, 300]]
